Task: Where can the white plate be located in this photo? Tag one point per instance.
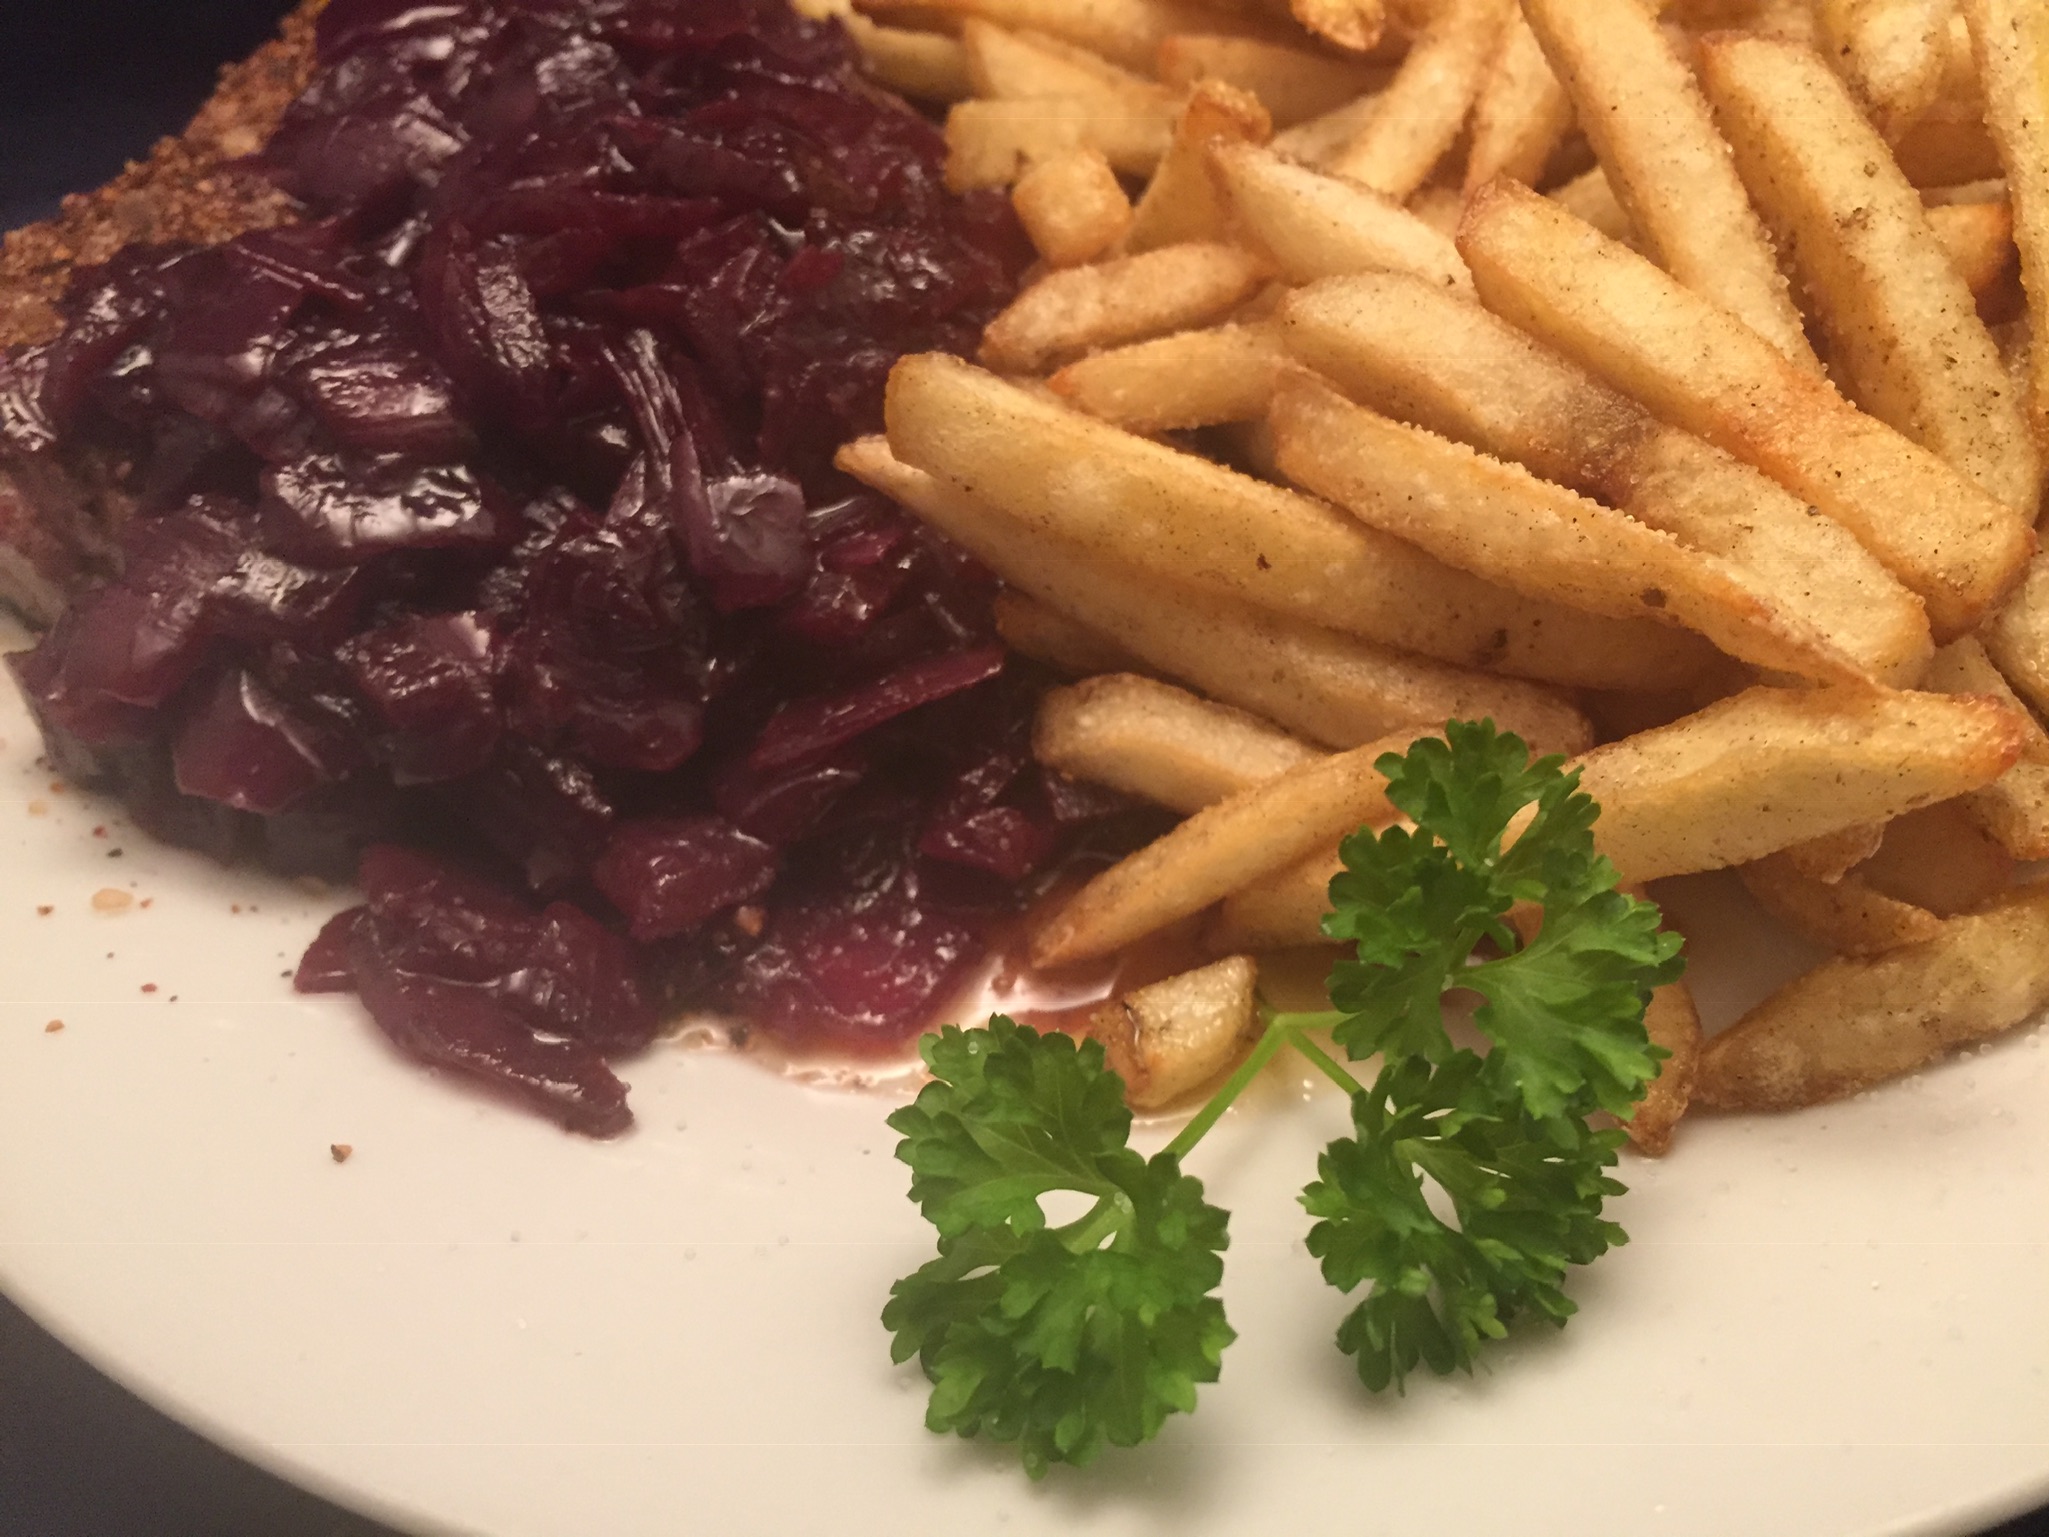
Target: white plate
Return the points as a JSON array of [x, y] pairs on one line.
[[1829, 1323]]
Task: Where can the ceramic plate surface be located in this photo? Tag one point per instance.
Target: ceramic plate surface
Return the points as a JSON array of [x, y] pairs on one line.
[[1826, 1323]]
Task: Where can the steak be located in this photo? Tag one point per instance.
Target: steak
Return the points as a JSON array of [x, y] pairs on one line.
[[58, 531]]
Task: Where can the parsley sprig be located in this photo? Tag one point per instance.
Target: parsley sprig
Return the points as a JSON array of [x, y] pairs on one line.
[[1066, 1339]]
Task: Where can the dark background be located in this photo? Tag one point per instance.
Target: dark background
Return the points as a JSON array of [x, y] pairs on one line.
[[84, 86]]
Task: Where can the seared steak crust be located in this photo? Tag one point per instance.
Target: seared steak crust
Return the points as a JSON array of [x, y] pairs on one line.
[[188, 189], [57, 532]]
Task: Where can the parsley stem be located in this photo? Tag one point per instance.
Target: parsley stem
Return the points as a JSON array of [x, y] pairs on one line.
[[1323, 1062], [1277, 1034]]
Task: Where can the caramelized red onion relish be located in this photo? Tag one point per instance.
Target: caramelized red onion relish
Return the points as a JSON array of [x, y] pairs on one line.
[[485, 542]]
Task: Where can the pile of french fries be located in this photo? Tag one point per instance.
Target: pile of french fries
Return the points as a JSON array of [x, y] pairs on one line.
[[1653, 379]]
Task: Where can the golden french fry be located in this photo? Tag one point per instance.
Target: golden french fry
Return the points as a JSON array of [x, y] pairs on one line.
[[1047, 635], [1427, 102], [1153, 740], [1892, 53], [1330, 688], [1641, 108], [1522, 115], [1963, 667], [924, 65], [2013, 809], [1072, 206], [1277, 911], [1771, 767], [1701, 368], [1834, 855], [1591, 199], [1950, 145], [991, 143], [2010, 41], [1672, 1022], [1125, 32], [1125, 300], [1293, 84], [1850, 1024], [1439, 207], [1408, 350], [1316, 226], [1938, 858], [1978, 240], [1497, 520], [1146, 507], [1315, 140], [1181, 203], [1195, 379], [1354, 25], [1845, 915], [1904, 333], [2017, 636], [1219, 850], [1024, 65], [1174, 1036]]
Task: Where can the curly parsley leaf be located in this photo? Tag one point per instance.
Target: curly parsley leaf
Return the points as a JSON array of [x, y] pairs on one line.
[[1060, 1339], [1565, 1012], [1526, 1194], [1504, 1138]]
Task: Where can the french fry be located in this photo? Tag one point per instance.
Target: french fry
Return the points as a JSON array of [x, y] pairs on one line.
[[1497, 520], [1294, 84], [1949, 144], [1850, 1024], [1173, 1036], [1978, 240], [1938, 858], [1159, 742], [1404, 348], [1771, 767], [1047, 635], [1427, 102], [1672, 1022], [2010, 41], [1125, 300], [1354, 25], [1904, 333], [1314, 141], [1026, 65], [1194, 379], [1641, 108], [1700, 368], [2017, 637], [1439, 207], [1125, 32], [1072, 206], [1149, 508], [1181, 203], [1277, 911], [1329, 688], [1591, 199], [992, 143], [1890, 52], [2014, 809], [1845, 916], [1217, 851], [1315, 226], [923, 65], [1834, 855], [1522, 115]]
